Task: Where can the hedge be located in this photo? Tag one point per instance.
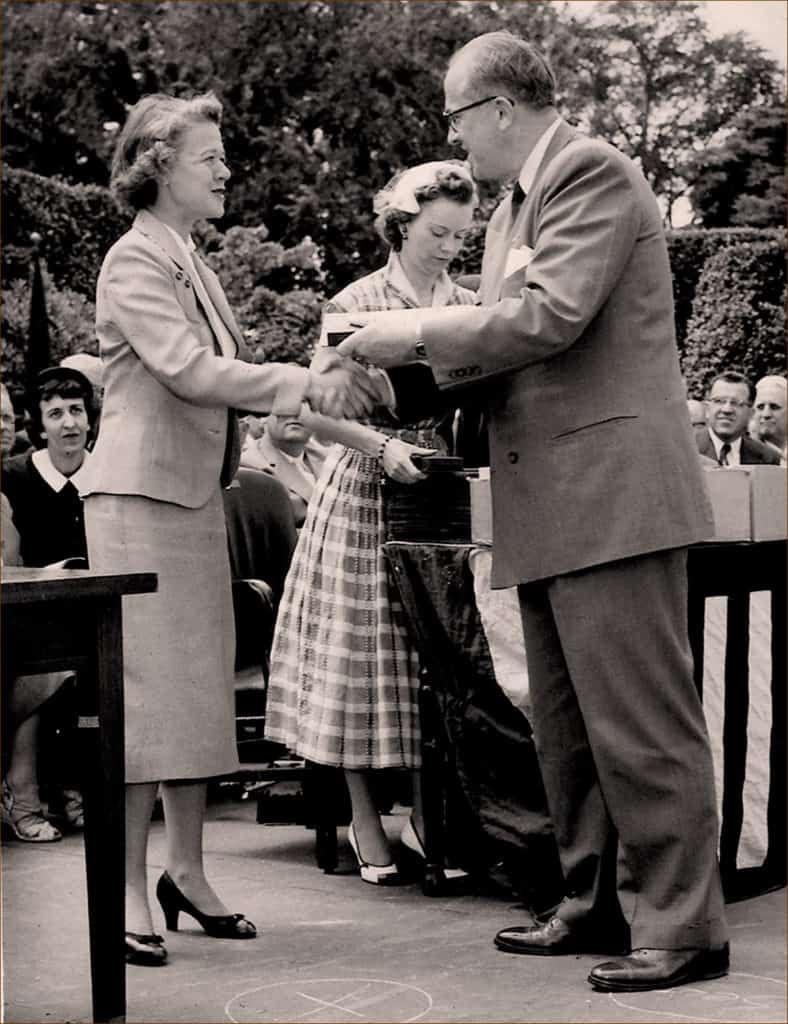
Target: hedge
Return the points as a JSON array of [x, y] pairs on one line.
[[728, 284], [77, 224], [738, 314]]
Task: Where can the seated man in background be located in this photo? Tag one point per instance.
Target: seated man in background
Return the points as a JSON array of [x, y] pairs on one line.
[[768, 421], [728, 407], [287, 450], [14, 442], [41, 489]]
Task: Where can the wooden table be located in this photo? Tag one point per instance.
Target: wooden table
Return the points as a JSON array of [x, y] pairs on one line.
[[71, 619], [434, 583]]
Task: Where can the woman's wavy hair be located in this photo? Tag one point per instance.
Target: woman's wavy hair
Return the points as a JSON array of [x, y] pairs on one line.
[[448, 184], [149, 142]]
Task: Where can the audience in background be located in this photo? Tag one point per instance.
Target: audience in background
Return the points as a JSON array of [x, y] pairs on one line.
[[768, 422], [286, 449], [47, 527], [15, 439], [728, 406], [42, 485]]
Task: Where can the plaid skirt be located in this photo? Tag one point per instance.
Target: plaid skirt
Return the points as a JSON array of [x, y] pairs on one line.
[[343, 684]]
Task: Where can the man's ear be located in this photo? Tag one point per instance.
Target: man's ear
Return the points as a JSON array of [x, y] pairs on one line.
[[505, 109]]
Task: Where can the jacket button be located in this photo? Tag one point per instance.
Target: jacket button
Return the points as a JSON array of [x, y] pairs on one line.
[[187, 283], [178, 276], [512, 457]]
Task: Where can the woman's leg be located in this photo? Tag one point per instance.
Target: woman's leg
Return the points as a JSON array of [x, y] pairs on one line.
[[22, 776], [140, 798], [372, 842], [184, 814]]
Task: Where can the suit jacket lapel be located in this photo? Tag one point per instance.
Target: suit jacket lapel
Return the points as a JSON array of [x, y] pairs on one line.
[[286, 472], [153, 228], [496, 248], [504, 230], [217, 297]]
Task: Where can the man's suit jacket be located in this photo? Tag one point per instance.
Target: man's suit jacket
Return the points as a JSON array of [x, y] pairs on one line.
[[263, 454], [753, 453], [165, 428], [576, 353]]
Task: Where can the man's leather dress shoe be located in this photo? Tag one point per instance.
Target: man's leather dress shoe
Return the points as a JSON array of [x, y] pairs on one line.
[[646, 969], [553, 938]]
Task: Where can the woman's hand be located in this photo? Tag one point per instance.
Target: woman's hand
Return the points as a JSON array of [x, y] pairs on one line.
[[397, 462]]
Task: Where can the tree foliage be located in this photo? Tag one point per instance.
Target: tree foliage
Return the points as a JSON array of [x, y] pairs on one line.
[[743, 180], [662, 89], [324, 101]]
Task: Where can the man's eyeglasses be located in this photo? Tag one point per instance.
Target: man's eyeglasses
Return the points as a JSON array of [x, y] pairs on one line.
[[451, 115], [734, 403]]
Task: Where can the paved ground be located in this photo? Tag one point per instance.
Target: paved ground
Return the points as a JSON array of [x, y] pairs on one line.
[[333, 949]]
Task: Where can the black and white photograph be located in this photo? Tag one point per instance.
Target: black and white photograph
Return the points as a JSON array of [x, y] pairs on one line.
[[393, 494]]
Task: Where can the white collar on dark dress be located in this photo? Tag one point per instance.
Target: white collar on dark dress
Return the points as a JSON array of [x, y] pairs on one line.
[[46, 468]]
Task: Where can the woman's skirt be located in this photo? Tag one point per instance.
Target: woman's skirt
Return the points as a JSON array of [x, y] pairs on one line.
[[343, 683], [179, 643]]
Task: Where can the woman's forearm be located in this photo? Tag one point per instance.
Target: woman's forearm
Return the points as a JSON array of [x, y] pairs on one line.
[[347, 432]]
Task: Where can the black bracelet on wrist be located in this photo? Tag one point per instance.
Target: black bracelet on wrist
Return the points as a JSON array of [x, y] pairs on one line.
[[382, 449]]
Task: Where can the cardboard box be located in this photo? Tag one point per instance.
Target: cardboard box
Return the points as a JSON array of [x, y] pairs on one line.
[[768, 502], [481, 508], [749, 502], [729, 490]]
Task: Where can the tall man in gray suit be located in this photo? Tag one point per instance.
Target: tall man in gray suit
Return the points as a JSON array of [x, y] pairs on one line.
[[574, 347]]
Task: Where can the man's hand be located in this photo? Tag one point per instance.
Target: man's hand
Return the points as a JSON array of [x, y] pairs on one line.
[[390, 344], [340, 387]]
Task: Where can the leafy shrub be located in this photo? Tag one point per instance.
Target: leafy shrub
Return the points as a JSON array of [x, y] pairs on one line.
[[689, 249], [738, 313], [274, 291], [77, 224], [71, 316]]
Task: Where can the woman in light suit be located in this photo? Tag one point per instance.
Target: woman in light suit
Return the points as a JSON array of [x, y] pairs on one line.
[[168, 343]]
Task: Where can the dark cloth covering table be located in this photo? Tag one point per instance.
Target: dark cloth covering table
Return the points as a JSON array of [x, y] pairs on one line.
[[502, 828]]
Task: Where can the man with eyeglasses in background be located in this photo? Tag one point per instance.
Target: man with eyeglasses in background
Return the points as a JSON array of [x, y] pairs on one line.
[[724, 439], [573, 348]]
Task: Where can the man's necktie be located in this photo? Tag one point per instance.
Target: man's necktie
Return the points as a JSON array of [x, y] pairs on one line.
[[724, 452], [518, 197]]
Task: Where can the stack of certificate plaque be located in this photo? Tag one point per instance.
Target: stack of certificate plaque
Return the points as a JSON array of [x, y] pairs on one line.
[[437, 509]]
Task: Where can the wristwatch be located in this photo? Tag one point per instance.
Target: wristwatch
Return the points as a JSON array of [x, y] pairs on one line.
[[420, 350]]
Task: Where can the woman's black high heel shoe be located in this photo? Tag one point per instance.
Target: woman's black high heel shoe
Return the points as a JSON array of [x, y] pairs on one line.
[[218, 926], [145, 950]]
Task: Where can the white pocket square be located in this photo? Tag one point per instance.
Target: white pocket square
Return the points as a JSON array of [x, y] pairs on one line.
[[517, 259]]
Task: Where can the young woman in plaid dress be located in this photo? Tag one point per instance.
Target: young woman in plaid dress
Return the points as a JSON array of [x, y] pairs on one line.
[[343, 682]]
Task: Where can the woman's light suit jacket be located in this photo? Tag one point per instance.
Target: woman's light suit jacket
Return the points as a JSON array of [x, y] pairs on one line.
[[167, 431]]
